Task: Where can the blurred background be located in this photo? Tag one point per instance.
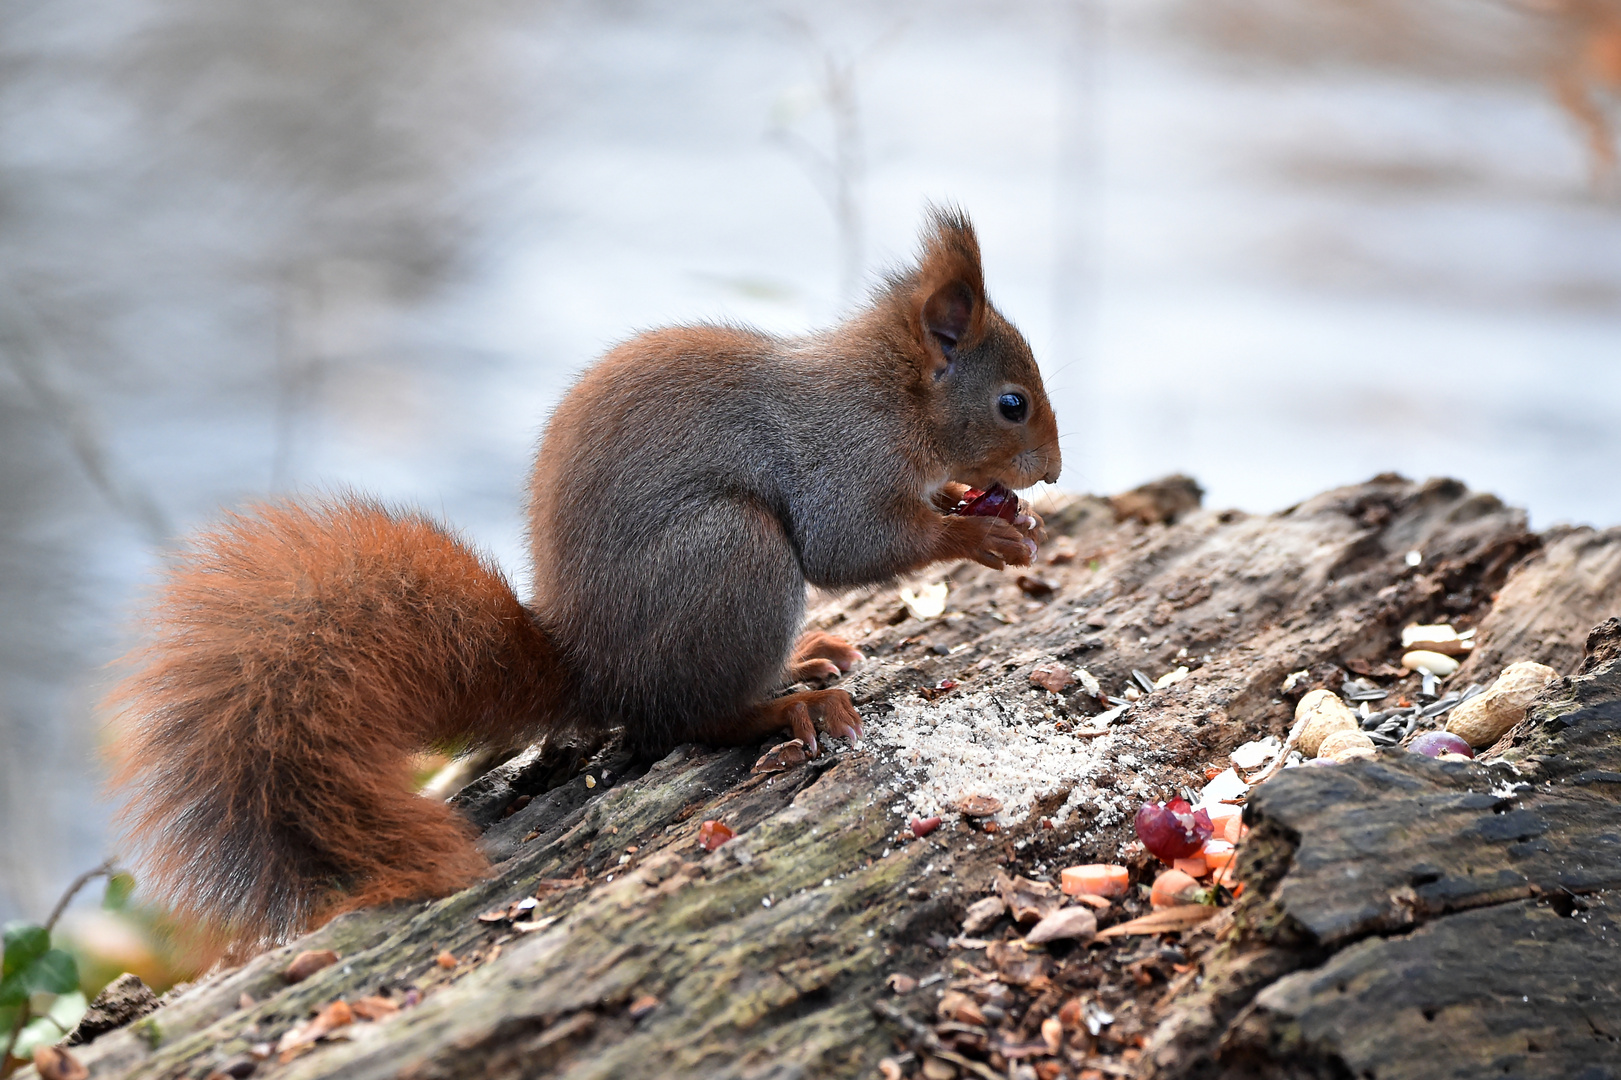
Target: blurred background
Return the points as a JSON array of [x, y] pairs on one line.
[[252, 248]]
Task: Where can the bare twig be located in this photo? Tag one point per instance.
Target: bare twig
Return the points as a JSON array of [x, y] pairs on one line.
[[8, 1064]]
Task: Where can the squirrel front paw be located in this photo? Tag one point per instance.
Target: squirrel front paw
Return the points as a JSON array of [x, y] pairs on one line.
[[989, 541]]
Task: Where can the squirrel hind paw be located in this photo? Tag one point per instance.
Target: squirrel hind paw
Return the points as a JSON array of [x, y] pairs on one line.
[[818, 644]]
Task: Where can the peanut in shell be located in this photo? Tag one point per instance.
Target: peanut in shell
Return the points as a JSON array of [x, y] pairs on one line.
[[1324, 714], [1344, 740], [1482, 720]]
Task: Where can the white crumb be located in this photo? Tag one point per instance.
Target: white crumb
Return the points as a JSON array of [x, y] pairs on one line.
[[979, 743]]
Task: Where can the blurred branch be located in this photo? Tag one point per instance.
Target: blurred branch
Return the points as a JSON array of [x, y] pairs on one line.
[[839, 174], [25, 346], [106, 869]]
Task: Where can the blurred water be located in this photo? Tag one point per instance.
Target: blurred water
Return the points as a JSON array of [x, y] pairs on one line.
[[247, 249]]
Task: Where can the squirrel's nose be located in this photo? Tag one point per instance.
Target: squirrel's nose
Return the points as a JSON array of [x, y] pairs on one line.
[[1055, 465]]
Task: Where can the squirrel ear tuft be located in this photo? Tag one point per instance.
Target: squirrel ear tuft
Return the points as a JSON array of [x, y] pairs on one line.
[[950, 297]]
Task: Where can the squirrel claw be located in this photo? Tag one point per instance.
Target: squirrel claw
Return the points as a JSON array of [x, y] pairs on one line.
[[829, 710]]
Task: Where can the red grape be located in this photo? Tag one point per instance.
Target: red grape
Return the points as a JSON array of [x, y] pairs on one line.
[[1172, 831], [1436, 743], [995, 501]]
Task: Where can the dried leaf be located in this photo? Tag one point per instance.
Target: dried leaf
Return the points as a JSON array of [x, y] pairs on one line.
[[782, 757], [982, 914], [1014, 965], [1165, 921], [374, 1008], [1073, 922], [900, 983], [299, 1039], [958, 1006], [1029, 901]]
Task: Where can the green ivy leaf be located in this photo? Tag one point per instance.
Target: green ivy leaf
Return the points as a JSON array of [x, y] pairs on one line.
[[54, 973], [8, 1017], [13, 990], [24, 943], [119, 887]]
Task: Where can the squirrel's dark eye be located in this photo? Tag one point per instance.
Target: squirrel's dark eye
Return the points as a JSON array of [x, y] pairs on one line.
[[1013, 407]]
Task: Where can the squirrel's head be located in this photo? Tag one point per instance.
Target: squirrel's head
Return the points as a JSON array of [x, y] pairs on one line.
[[985, 398]]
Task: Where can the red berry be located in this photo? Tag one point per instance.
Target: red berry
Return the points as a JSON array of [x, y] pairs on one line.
[[996, 501], [1172, 831]]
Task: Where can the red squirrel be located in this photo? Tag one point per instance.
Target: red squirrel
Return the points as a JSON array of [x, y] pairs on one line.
[[687, 488]]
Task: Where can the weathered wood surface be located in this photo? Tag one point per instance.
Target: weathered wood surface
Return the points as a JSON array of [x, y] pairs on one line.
[[768, 955], [1480, 907]]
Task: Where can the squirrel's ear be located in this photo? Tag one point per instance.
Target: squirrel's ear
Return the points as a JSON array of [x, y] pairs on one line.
[[949, 302]]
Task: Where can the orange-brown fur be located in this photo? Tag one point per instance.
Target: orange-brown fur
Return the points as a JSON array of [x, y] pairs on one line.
[[301, 655], [688, 488]]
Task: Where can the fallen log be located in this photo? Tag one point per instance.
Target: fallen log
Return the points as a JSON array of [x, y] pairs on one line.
[[1394, 912]]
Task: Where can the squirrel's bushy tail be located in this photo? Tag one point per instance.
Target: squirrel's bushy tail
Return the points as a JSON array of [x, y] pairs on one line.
[[297, 656]]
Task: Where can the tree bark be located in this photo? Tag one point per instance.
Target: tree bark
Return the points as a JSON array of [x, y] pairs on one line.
[[1401, 917]]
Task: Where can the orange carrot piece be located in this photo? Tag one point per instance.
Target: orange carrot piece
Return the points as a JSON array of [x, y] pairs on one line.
[[1218, 854], [1099, 879], [1171, 888]]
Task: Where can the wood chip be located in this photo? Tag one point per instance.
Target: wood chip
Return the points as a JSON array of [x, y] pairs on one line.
[[307, 963], [782, 757]]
